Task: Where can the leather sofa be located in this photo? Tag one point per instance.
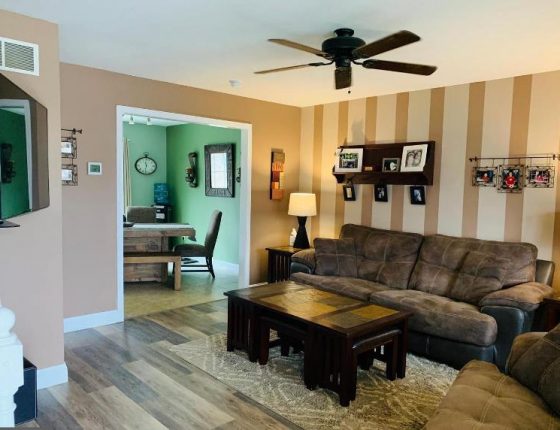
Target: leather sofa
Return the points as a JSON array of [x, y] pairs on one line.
[[526, 396], [444, 282]]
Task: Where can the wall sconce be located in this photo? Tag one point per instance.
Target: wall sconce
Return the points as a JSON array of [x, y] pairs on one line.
[[190, 172], [238, 175]]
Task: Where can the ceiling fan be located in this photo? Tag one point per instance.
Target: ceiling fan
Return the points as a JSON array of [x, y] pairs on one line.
[[345, 49]]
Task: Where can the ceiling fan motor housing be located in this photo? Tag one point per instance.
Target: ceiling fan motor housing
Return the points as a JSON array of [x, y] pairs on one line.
[[341, 46]]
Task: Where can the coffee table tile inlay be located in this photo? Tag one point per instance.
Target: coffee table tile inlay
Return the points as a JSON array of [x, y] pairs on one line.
[[338, 333]]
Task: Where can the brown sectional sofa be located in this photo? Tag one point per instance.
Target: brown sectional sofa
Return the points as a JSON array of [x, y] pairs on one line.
[[470, 298]]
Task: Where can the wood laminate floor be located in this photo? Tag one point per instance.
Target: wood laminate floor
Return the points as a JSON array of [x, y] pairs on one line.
[[123, 376]]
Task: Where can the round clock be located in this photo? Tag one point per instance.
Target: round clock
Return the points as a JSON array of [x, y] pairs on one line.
[[146, 165]]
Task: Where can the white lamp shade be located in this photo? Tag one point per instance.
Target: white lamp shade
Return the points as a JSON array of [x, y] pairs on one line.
[[302, 204]]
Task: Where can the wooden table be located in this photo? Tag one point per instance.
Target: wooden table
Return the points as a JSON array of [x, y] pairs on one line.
[[338, 332], [279, 260], [154, 239]]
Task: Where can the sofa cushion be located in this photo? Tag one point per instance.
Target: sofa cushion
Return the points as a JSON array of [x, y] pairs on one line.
[[539, 368], [482, 397], [384, 256], [441, 316], [335, 257], [441, 258], [356, 288], [480, 274]]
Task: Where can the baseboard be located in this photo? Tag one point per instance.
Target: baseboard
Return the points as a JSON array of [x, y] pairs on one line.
[[83, 322], [53, 375], [233, 266]]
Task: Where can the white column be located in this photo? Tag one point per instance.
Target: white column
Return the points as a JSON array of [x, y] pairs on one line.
[[11, 367]]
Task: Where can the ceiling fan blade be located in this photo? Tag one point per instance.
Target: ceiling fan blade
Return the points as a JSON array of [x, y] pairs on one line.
[[388, 43], [299, 46], [342, 77], [299, 66], [395, 66]]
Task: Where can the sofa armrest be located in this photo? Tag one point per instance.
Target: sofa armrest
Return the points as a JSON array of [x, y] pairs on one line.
[[520, 345], [526, 297], [303, 261]]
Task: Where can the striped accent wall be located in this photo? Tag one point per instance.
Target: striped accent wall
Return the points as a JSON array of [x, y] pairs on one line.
[[505, 117]]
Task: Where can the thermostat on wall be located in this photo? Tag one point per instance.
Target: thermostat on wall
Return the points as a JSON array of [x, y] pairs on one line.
[[94, 168]]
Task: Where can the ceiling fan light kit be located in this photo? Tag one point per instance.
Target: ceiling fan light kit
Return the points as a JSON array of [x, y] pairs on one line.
[[345, 49]]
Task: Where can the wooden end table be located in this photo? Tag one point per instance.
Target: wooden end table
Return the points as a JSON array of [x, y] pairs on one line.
[[279, 260], [338, 333], [552, 308]]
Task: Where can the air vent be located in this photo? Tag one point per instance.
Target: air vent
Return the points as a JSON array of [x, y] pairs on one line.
[[17, 56]]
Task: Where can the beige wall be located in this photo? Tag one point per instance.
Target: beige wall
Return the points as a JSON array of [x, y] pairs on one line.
[[31, 255], [89, 100], [494, 119]]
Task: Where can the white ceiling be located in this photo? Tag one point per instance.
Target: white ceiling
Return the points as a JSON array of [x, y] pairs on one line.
[[205, 43]]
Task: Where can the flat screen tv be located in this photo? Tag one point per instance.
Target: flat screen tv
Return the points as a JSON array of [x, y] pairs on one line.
[[24, 172]]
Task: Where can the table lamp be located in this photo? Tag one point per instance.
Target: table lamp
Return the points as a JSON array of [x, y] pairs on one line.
[[302, 205]]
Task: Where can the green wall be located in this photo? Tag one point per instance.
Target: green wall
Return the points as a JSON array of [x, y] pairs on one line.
[[151, 139], [14, 196], [191, 205]]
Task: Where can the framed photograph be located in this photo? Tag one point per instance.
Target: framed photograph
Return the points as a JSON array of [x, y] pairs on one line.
[[69, 174], [414, 158], [348, 160], [219, 164], [390, 165], [510, 179], [349, 192], [539, 176], [484, 176], [380, 193], [94, 168], [68, 147], [417, 195]]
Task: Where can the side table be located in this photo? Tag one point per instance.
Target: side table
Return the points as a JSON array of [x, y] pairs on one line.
[[552, 308], [279, 260]]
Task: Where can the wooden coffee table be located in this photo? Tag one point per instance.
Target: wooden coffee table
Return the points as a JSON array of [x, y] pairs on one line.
[[338, 332]]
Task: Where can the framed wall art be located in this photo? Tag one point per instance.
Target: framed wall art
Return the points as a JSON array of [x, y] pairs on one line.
[[414, 158], [390, 165], [417, 195], [349, 192], [484, 176], [69, 174], [218, 161], [510, 179], [539, 176], [380, 193], [348, 160]]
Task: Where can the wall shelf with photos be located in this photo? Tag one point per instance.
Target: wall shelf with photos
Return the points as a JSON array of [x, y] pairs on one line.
[[382, 163]]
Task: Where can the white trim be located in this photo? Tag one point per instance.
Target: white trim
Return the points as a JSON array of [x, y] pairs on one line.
[[244, 192], [53, 375], [83, 322]]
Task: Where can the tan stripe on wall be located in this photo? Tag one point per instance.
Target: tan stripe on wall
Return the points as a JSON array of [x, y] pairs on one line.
[[401, 127], [474, 147], [342, 140], [367, 189], [518, 146], [436, 134], [317, 156]]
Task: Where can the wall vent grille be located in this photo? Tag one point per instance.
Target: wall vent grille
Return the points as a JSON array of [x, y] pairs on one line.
[[18, 56]]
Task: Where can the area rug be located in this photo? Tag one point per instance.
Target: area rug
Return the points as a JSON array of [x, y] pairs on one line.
[[380, 404]]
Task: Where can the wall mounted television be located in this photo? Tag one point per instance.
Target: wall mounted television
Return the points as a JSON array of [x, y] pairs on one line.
[[24, 171]]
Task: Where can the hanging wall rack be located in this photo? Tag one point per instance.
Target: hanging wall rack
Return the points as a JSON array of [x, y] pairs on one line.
[[69, 153], [496, 160]]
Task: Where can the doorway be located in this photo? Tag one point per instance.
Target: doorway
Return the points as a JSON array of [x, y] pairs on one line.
[[244, 188]]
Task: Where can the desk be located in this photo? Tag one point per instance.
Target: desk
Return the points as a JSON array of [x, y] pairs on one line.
[[150, 238]]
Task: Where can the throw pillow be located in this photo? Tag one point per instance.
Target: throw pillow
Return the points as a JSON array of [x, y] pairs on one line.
[[335, 257], [479, 275], [539, 368]]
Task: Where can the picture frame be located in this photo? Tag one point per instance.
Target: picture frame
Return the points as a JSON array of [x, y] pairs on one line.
[[540, 176], [414, 158], [219, 162], [510, 178], [391, 164], [380, 193], [94, 168], [69, 174], [69, 147], [348, 160], [484, 176], [417, 195], [348, 192]]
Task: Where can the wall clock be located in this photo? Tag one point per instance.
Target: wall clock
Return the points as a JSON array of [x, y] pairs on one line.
[[145, 165]]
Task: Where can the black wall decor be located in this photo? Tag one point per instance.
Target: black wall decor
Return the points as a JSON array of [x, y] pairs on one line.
[[191, 172], [218, 163]]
